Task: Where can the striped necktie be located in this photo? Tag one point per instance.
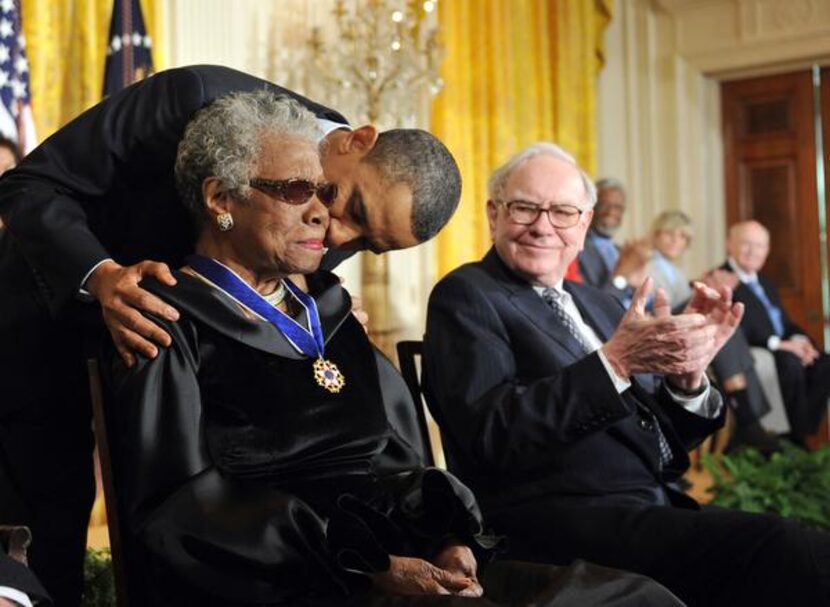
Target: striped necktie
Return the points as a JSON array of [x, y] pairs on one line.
[[774, 313], [554, 298]]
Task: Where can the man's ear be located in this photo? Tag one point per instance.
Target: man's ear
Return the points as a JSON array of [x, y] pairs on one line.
[[492, 213], [585, 222], [217, 200], [360, 140]]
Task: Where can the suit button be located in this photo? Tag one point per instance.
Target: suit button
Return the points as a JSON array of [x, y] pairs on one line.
[[645, 424]]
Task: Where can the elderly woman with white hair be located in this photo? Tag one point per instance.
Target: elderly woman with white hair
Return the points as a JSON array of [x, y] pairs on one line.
[[262, 458]]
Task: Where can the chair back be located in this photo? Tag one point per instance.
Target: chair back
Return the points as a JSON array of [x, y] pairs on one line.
[[14, 541], [105, 457], [409, 354]]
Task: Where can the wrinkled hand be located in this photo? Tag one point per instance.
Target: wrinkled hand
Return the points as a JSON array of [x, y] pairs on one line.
[[408, 575], [122, 302], [801, 348], [718, 278], [722, 315], [459, 560], [632, 262], [671, 345]]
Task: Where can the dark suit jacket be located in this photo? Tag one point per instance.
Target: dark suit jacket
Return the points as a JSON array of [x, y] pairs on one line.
[[18, 576], [526, 414], [755, 323], [595, 272], [103, 185]]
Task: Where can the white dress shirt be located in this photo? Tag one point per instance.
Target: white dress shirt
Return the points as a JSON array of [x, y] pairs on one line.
[[698, 404], [15, 596]]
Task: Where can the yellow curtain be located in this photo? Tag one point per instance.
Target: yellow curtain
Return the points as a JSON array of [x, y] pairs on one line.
[[66, 42], [516, 72]]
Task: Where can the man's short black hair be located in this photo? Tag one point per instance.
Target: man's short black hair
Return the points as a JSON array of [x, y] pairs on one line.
[[419, 159]]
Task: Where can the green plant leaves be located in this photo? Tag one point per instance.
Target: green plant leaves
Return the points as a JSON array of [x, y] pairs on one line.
[[793, 483], [99, 584]]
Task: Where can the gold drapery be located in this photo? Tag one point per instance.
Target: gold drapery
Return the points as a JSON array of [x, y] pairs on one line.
[[516, 72], [67, 47]]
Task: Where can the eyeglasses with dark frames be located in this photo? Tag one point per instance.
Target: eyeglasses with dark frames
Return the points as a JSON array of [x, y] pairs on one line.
[[526, 213], [296, 191]]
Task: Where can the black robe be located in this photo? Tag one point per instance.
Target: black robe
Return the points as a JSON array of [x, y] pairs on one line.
[[240, 480]]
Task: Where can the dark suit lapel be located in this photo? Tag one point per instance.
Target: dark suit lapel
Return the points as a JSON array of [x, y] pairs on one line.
[[540, 314], [529, 303], [600, 322]]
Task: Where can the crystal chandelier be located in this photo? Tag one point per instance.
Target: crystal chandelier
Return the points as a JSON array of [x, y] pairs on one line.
[[378, 58]]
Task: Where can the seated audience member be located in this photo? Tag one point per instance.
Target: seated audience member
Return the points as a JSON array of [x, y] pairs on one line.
[[803, 371], [86, 211], [18, 585], [671, 234], [602, 263], [259, 461], [570, 417]]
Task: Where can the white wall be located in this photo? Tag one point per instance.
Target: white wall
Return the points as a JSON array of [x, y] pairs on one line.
[[659, 117]]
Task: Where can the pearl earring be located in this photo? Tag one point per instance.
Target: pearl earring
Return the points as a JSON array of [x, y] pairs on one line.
[[225, 221]]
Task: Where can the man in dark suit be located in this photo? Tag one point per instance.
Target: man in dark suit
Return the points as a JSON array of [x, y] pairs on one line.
[[550, 412], [602, 262], [87, 209], [803, 371]]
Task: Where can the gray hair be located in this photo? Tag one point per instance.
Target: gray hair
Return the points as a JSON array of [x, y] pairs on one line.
[[498, 180], [419, 160], [225, 139], [610, 183]]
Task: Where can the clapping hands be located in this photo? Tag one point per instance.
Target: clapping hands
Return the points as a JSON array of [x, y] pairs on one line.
[[679, 346]]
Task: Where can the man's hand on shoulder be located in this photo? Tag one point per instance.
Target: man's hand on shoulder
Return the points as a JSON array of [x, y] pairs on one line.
[[123, 301]]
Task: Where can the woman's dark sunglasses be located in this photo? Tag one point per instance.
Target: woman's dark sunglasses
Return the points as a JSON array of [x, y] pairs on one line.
[[296, 191]]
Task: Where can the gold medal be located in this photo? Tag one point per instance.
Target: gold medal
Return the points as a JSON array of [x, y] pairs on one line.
[[328, 375]]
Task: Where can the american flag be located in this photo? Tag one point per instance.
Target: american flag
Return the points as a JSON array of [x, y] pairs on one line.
[[16, 120], [129, 57]]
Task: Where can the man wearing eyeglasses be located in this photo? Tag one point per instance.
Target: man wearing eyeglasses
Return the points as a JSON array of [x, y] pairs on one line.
[[92, 211], [570, 417]]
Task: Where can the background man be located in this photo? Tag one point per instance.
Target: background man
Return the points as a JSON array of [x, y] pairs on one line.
[[604, 264], [550, 412], [85, 212], [803, 371], [618, 270]]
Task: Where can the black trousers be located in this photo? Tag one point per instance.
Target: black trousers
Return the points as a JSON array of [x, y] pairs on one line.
[[45, 427], [710, 558], [733, 358], [804, 390]]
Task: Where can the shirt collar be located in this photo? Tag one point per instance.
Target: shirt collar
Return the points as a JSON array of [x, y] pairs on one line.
[[559, 286], [744, 277], [327, 126]]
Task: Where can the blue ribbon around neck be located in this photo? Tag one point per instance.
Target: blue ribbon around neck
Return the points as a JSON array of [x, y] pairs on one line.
[[309, 342]]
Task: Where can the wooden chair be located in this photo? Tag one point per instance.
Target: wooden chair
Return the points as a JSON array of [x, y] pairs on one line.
[[14, 541], [409, 353], [99, 419]]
